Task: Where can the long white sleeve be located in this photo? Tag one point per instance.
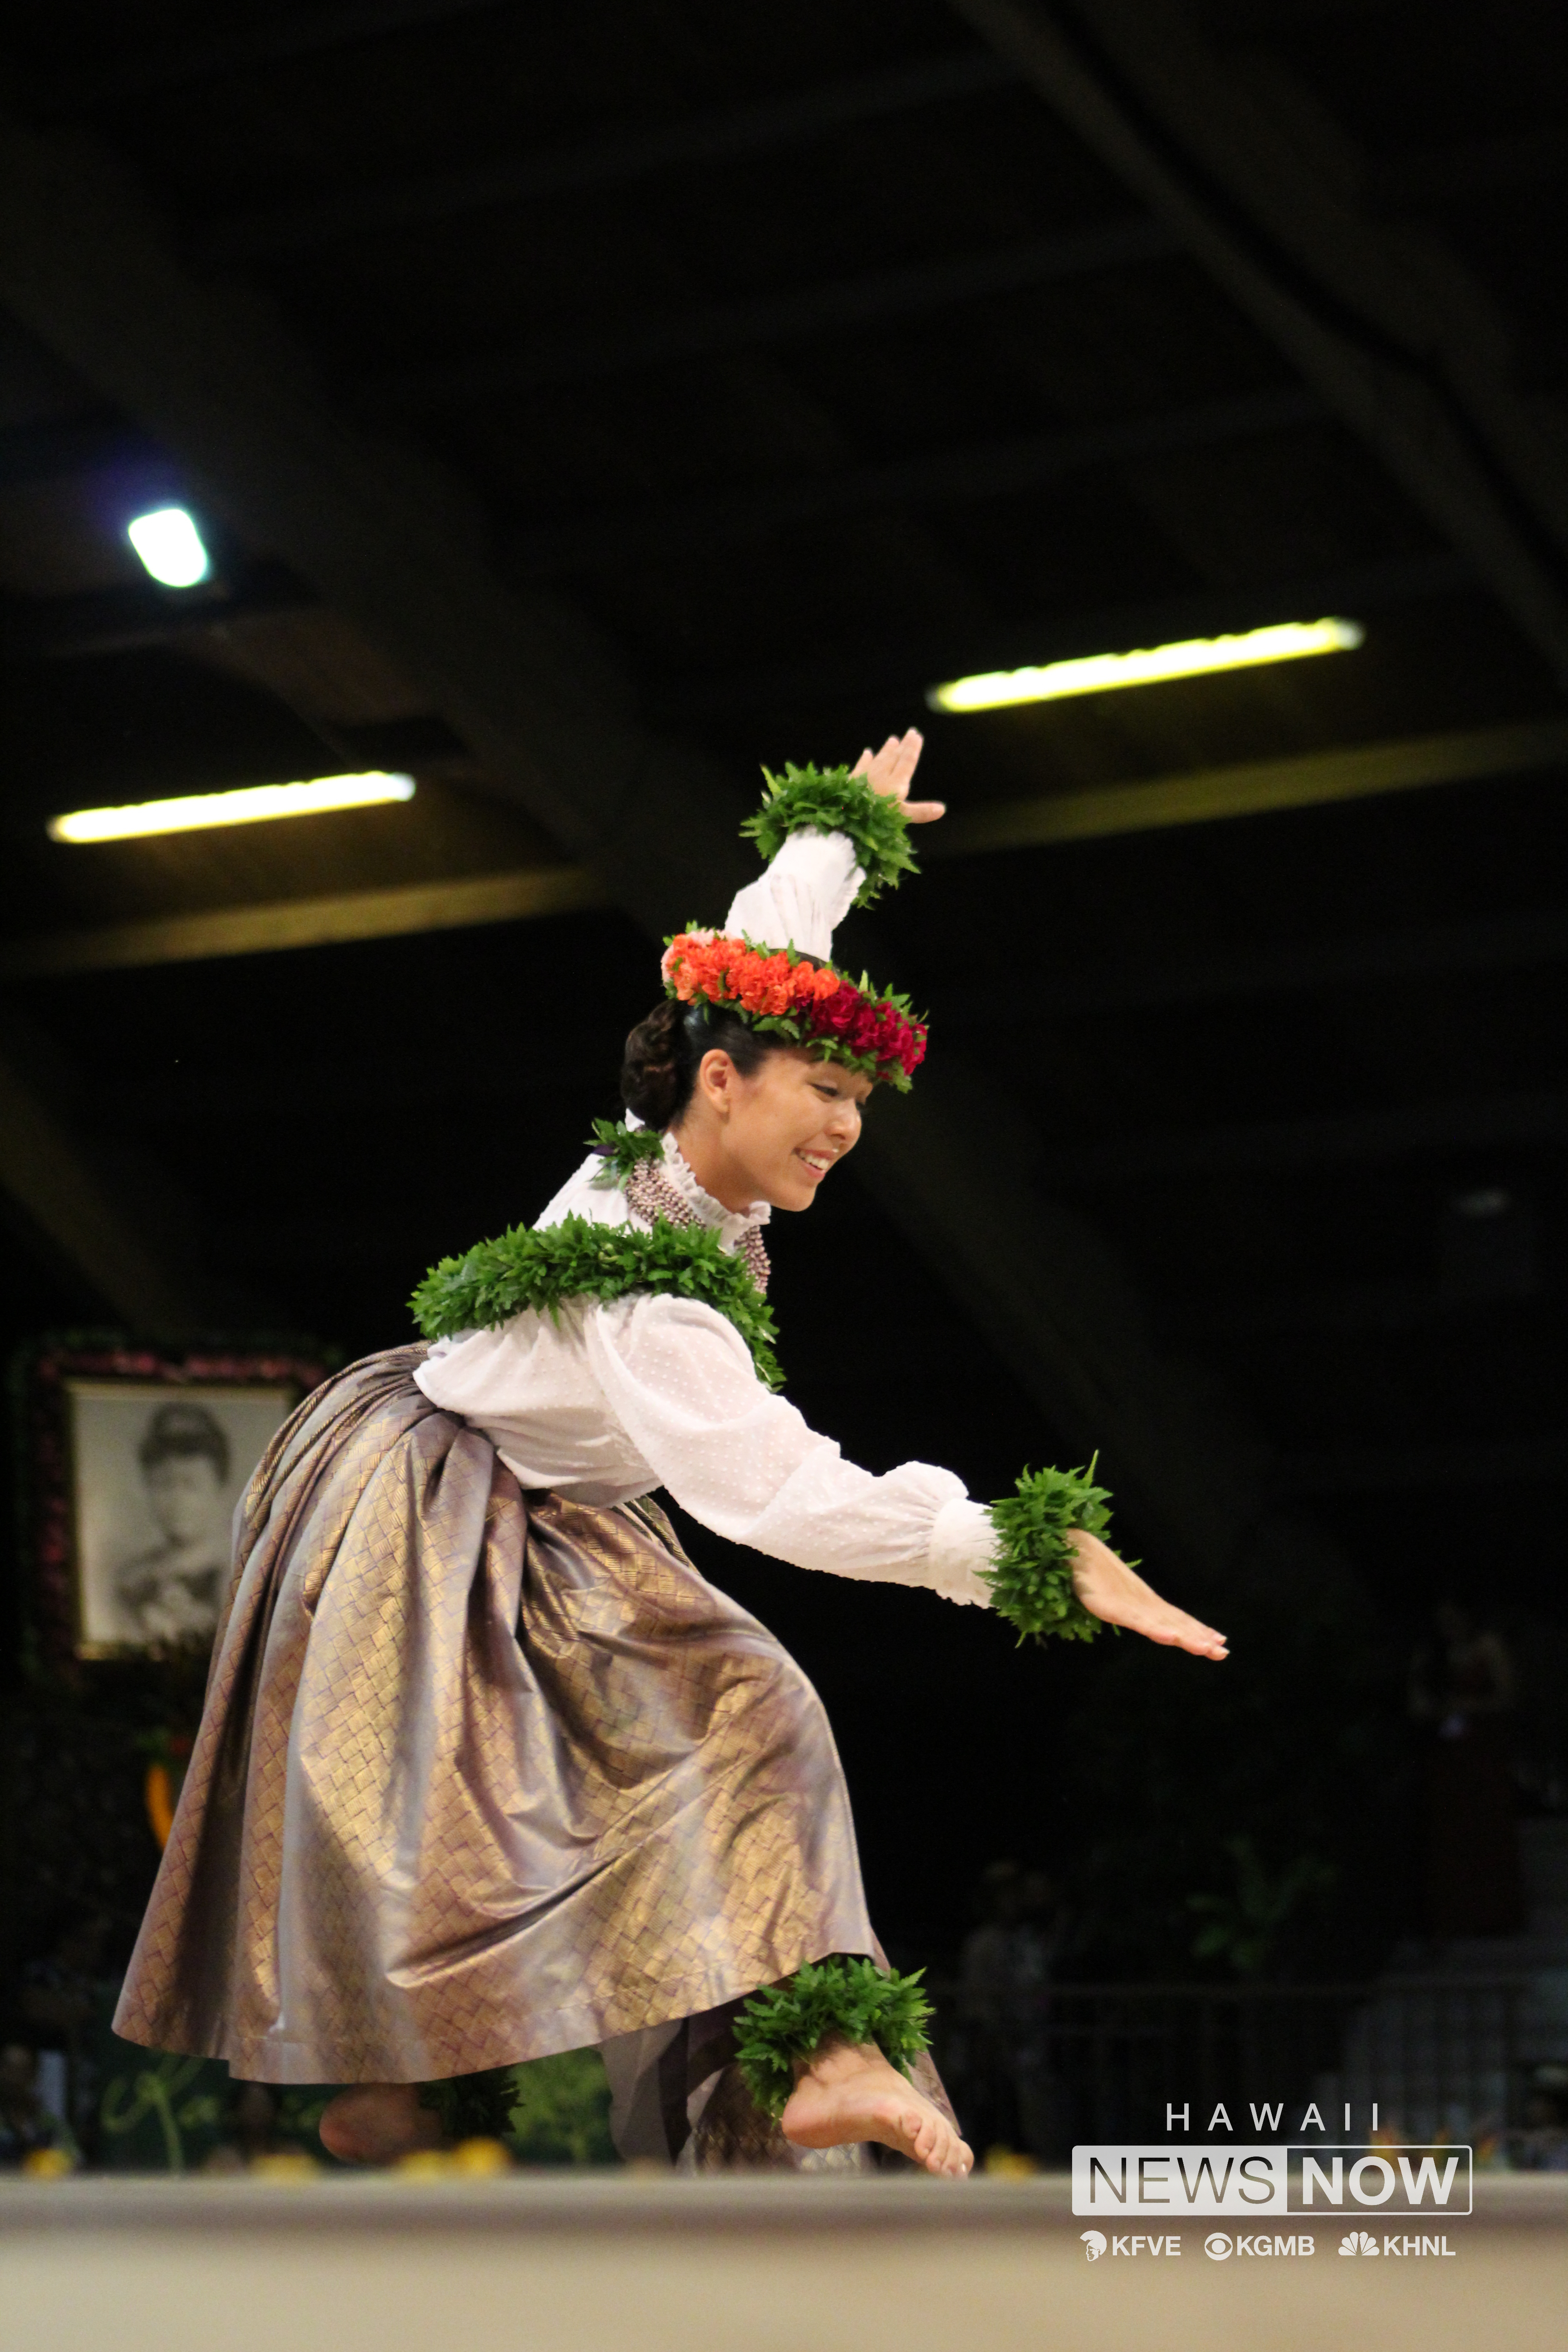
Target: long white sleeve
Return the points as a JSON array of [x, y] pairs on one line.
[[605, 1402], [804, 895], [744, 1462]]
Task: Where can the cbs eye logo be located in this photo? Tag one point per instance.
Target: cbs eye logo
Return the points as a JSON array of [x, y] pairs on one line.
[[1218, 2246]]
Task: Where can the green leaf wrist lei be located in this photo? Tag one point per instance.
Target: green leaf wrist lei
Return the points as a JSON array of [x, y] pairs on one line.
[[1030, 1573], [830, 800]]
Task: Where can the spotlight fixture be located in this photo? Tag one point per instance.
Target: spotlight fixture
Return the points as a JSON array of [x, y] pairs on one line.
[[170, 547], [255, 805], [1101, 673]]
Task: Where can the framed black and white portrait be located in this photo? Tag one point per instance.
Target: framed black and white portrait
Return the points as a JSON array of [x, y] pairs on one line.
[[154, 1480], [137, 1459]]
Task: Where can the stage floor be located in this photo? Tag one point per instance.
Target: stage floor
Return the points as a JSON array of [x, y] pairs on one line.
[[618, 2263]]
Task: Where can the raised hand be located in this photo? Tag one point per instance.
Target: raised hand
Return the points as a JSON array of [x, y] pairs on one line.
[[1109, 1589], [891, 771]]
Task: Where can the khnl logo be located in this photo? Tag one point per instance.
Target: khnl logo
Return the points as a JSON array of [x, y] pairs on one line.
[[1358, 2241], [1094, 2242]]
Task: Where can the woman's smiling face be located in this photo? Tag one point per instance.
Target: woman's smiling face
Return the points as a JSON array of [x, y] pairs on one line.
[[772, 1136]]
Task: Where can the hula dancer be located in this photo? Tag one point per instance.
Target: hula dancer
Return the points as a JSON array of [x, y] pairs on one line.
[[488, 1770]]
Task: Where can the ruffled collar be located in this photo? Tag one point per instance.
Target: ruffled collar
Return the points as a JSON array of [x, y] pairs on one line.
[[733, 1225]]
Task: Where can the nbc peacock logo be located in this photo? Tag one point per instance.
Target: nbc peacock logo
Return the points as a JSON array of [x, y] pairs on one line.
[[1358, 2241]]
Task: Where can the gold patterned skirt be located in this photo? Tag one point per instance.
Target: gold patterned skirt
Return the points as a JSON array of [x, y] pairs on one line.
[[482, 1775]]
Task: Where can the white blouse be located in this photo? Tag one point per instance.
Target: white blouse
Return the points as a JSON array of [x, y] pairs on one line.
[[620, 1397]]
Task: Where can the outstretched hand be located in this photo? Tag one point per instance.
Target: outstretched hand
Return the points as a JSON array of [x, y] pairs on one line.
[[1109, 1589], [891, 771]]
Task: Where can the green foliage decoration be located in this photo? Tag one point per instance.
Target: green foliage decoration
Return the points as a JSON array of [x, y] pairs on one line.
[[833, 800], [841, 1996], [545, 1268], [559, 2110], [552, 2110], [1244, 1927], [622, 1148], [1030, 1574]]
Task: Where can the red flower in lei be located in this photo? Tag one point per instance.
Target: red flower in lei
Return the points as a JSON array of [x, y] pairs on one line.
[[811, 1002]]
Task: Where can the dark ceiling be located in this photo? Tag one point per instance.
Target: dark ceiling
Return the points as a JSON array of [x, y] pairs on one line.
[[775, 364]]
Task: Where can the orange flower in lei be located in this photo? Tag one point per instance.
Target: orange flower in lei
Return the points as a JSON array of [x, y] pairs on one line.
[[805, 1002]]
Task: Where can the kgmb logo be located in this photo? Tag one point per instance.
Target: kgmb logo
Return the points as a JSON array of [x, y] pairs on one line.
[[1110, 2184], [1219, 2247]]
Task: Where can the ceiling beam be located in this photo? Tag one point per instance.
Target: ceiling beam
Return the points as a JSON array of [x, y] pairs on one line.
[[986, 469], [286, 923], [910, 665], [618, 159], [1414, 178], [1491, 943], [1204, 796], [1256, 787], [633, 345], [116, 620], [1230, 176], [123, 619], [392, 544], [378, 532], [1476, 1123], [268, 39], [1265, 141], [46, 1173], [55, 446]]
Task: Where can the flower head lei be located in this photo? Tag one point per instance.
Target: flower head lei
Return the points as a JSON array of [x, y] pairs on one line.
[[800, 1001]]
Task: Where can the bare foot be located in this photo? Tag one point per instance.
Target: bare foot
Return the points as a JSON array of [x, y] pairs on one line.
[[849, 2094], [376, 2122]]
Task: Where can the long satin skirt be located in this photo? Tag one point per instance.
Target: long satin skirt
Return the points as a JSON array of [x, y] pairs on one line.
[[482, 1775]]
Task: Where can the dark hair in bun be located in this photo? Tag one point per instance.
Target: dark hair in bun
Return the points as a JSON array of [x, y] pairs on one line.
[[664, 1052]]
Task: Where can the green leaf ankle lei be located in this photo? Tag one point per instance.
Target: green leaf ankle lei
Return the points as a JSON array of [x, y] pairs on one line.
[[546, 1269], [849, 1999], [831, 800], [1030, 1574]]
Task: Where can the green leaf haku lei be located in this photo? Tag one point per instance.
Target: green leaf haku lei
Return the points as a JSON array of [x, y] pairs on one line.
[[1030, 1575], [831, 800], [842, 1998], [546, 1269]]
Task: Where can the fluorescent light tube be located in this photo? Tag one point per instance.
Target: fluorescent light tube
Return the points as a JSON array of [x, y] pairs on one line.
[[1103, 673], [255, 805], [169, 546]]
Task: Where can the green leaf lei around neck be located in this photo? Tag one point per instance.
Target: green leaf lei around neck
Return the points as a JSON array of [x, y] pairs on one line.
[[1030, 1574], [833, 800], [841, 1996], [545, 1270]]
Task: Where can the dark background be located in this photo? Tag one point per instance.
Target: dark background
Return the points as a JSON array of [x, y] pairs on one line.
[[689, 387]]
